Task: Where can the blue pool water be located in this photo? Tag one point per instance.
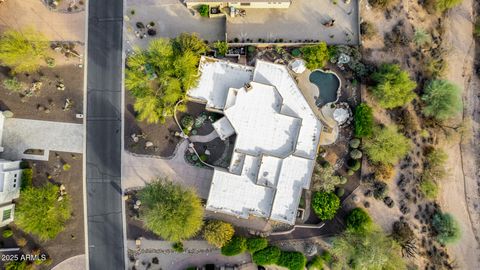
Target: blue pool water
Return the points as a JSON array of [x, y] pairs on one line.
[[327, 84]]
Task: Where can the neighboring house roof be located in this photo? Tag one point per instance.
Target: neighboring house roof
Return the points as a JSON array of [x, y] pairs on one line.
[[277, 136], [10, 177]]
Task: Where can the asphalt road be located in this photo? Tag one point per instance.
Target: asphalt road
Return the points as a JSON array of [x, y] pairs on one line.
[[103, 135]]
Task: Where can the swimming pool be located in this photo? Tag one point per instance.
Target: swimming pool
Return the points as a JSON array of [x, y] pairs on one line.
[[328, 85]]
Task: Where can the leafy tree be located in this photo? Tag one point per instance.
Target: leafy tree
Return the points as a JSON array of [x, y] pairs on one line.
[[235, 246], [315, 56], [358, 220], [267, 256], [13, 85], [443, 5], [256, 243], [204, 10], [372, 250], [443, 100], [23, 51], [218, 233], [159, 76], [393, 86], [386, 146], [292, 260], [325, 205], [325, 179], [39, 211], [171, 211], [363, 120], [316, 263], [222, 47], [421, 37], [429, 188], [446, 227]]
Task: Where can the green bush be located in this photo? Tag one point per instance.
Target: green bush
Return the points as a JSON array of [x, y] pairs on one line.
[[66, 167], [204, 10], [187, 122], [296, 52], [7, 233], [292, 260], [316, 263], [393, 86], [354, 164], [256, 243], [327, 257], [358, 220], [222, 47], [178, 247], [267, 256], [446, 227], [443, 100], [443, 5], [325, 205], [13, 85], [316, 56], [356, 154], [339, 191], [386, 146], [27, 177], [218, 233], [235, 246], [354, 143], [363, 120], [421, 37], [429, 188], [170, 210], [39, 211]]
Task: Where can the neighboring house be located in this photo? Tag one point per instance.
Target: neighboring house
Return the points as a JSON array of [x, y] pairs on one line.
[[10, 178], [277, 137], [240, 3]]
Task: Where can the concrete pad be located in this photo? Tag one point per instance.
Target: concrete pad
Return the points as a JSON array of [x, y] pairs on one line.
[[73, 263]]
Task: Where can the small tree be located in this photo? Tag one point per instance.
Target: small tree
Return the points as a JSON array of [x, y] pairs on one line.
[[386, 146], [358, 221], [204, 10], [256, 243], [23, 51], [443, 100], [316, 56], [363, 120], [171, 211], [218, 233], [325, 205], [235, 246], [393, 86], [446, 227], [39, 211], [222, 47], [267, 256], [292, 260]]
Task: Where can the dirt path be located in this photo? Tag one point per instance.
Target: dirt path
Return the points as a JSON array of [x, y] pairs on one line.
[[459, 192]]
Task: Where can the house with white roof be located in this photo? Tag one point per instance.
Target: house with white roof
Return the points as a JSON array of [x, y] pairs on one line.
[[10, 177], [277, 136]]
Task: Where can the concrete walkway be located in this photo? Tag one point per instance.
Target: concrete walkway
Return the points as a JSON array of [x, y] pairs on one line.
[[204, 138], [140, 170], [57, 26], [73, 263], [21, 134]]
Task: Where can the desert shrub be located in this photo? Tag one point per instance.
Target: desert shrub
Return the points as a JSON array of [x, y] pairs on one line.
[[354, 143], [222, 47], [443, 100], [368, 29], [382, 4], [386, 146], [380, 190], [39, 211], [7, 233], [393, 87], [325, 179], [384, 172], [446, 227], [256, 243], [356, 154], [443, 5], [434, 67], [267, 256], [292, 260], [27, 177], [204, 10], [316, 263], [421, 37], [434, 166], [355, 63], [315, 56], [358, 221], [13, 85], [23, 51], [187, 122], [353, 164], [339, 191], [405, 237], [21, 242], [178, 247], [66, 167], [235, 246], [218, 233], [171, 211], [429, 188], [397, 36], [363, 120], [296, 52], [325, 205]]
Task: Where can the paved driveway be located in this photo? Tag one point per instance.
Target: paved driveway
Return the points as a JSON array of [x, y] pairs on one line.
[[140, 170], [171, 19], [22, 134], [74, 263]]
